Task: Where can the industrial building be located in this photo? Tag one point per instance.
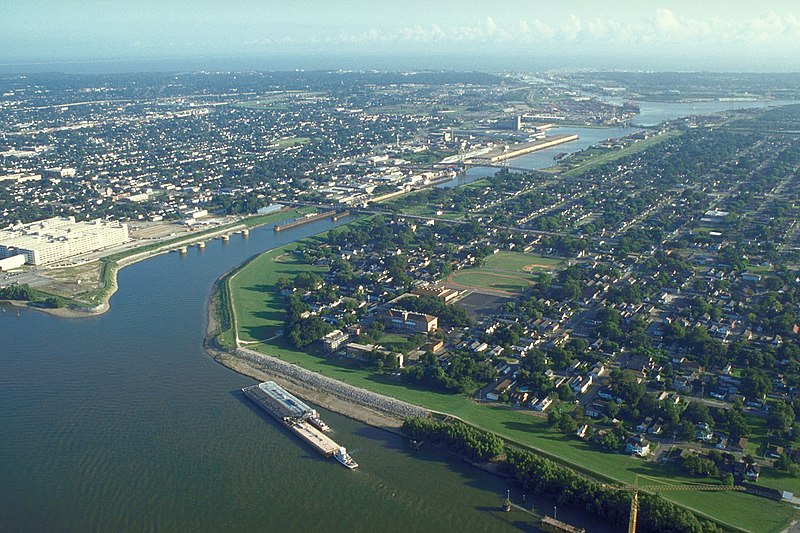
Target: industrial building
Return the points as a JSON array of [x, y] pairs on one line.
[[55, 239], [10, 263]]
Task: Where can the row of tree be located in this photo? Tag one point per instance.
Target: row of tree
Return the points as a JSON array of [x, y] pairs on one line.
[[544, 476], [24, 293]]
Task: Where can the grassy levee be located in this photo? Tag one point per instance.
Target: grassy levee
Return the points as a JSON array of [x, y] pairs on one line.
[[222, 335], [259, 316]]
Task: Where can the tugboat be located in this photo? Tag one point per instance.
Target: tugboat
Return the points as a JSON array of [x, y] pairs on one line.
[[343, 457]]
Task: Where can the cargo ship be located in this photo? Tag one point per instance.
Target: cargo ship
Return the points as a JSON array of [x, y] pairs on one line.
[[298, 417]]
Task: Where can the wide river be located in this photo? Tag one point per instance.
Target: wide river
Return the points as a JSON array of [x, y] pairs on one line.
[[121, 422]]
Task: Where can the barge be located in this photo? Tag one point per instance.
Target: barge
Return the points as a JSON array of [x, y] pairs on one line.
[[294, 414], [307, 219]]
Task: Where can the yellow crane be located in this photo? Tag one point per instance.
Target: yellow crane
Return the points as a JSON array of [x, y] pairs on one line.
[[635, 488]]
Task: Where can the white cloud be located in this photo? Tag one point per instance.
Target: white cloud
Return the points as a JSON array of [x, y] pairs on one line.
[[572, 28], [662, 27], [666, 21], [491, 26]]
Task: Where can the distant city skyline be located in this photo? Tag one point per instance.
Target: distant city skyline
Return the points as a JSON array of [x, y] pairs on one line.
[[512, 35]]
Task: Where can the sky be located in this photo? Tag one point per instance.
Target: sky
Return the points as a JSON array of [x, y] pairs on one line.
[[731, 35]]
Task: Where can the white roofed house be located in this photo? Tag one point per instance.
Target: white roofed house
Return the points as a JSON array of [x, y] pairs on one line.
[[638, 445]]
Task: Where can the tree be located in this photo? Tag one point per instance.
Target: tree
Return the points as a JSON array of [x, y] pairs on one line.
[[564, 392], [737, 425], [698, 466], [697, 413], [755, 383], [781, 417], [307, 280], [283, 283], [625, 386]]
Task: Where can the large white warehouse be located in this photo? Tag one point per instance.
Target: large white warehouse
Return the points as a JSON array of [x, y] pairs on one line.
[[55, 239]]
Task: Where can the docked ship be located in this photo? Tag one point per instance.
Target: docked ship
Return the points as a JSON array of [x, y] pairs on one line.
[[298, 417], [343, 457]]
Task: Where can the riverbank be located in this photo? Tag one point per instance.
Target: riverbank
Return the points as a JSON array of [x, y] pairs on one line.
[[359, 404]]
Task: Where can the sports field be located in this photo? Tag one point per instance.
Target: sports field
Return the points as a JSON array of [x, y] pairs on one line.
[[505, 272]]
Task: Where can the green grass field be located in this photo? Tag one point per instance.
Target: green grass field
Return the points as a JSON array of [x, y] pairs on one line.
[[484, 279], [259, 316], [506, 271], [519, 262], [292, 141], [393, 341], [259, 307]]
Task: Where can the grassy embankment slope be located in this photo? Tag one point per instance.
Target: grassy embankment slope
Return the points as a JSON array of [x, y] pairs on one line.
[[259, 315]]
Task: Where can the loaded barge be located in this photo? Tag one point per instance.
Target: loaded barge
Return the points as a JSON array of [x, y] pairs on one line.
[[296, 415], [307, 219]]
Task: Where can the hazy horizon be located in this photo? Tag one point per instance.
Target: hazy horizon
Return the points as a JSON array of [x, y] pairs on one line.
[[97, 35]]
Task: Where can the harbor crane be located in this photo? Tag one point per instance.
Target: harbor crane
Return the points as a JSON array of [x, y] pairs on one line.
[[635, 488]]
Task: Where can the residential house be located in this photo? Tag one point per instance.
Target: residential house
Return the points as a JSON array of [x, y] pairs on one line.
[[499, 389], [638, 445], [702, 431], [543, 404]]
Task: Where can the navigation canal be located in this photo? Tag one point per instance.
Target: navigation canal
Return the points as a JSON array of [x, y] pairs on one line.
[[651, 114], [121, 422]]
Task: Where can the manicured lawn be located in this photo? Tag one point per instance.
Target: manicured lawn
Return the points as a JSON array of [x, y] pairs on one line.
[[259, 307], [506, 271], [392, 341], [758, 436], [260, 315], [760, 269], [781, 481], [293, 141]]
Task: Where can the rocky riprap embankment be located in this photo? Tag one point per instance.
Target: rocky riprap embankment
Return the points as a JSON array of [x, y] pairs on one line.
[[343, 391]]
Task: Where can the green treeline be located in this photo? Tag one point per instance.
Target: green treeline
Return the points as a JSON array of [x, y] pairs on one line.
[[544, 476], [25, 293], [449, 315], [473, 444], [17, 292]]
